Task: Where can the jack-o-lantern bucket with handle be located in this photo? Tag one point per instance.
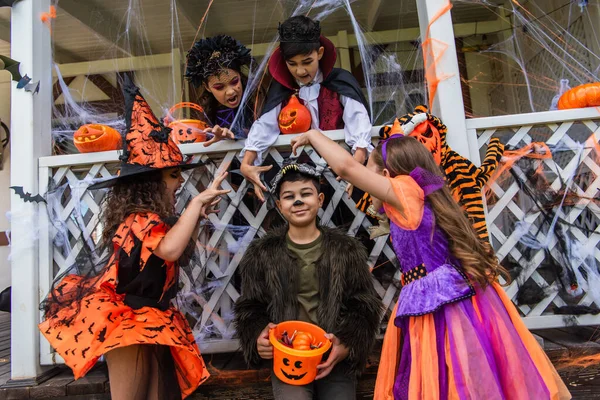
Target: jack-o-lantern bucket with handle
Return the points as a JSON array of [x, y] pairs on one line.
[[186, 130], [294, 117], [91, 138], [294, 365]]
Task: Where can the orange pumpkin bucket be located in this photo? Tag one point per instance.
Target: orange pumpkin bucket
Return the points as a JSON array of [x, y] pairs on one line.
[[294, 366], [294, 117], [186, 130], [91, 138]]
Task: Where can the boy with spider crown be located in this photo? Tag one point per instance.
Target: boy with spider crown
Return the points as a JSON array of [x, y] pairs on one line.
[[312, 273]]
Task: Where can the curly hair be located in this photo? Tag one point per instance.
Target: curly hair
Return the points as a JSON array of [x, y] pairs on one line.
[[476, 257], [210, 56], [133, 195]]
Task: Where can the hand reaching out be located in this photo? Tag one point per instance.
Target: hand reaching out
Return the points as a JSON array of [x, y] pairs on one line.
[[219, 134], [252, 174], [209, 197]]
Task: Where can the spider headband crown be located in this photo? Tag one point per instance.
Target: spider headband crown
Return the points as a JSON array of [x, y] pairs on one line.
[[296, 32]]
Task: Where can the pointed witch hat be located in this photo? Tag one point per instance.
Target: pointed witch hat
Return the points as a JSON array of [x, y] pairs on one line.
[[148, 146]]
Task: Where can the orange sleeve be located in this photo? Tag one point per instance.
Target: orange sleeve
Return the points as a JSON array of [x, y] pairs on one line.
[[412, 198], [147, 228]]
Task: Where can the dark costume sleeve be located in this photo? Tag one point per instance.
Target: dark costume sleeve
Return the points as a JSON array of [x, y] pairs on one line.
[[251, 315], [361, 309]]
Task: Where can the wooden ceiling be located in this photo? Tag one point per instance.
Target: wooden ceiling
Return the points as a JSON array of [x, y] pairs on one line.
[[95, 29]]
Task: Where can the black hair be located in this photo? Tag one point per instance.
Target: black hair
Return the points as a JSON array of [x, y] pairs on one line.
[[296, 176], [290, 50], [298, 25]]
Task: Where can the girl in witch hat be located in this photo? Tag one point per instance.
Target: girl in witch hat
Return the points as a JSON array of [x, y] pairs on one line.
[[216, 66], [123, 309]]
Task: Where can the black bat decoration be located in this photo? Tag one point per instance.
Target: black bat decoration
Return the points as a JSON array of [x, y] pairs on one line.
[[26, 196], [150, 337], [11, 65], [25, 83], [155, 329], [102, 335]]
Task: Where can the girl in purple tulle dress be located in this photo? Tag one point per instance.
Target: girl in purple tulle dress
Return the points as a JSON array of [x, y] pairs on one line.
[[457, 336]]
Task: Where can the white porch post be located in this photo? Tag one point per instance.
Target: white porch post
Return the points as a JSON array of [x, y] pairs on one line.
[[448, 102], [30, 123]]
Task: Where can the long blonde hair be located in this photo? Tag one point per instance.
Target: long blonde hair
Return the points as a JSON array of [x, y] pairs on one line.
[[476, 257]]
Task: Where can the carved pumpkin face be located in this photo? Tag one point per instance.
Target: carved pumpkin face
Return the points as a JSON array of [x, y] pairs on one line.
[[294, 117], [293, 368], [94, 137], [188, 131], [429, 136]]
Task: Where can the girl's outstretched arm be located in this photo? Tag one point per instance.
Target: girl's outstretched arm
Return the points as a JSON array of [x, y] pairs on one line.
[[175, 241], [347, 167]]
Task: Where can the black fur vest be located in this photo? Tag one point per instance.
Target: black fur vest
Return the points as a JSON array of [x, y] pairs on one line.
[[349, 306]]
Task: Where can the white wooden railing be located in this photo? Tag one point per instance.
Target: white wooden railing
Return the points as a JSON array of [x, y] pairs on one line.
[[222, 243], [574, 134]]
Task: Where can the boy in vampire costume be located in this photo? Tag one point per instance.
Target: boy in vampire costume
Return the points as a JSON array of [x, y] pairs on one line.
[[303, 66]]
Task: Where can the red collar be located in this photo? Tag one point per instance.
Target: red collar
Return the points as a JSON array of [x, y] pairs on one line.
[[281, 74]]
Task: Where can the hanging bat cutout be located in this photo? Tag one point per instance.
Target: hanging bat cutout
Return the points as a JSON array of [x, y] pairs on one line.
[[28, 197], [11, 66], [7, 3], [29, 86]]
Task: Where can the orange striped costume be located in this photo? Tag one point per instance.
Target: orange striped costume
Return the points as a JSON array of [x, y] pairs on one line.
[[466, 181]]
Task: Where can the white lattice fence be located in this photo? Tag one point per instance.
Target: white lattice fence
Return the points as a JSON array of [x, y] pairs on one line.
[[210, 284], [517, 225]]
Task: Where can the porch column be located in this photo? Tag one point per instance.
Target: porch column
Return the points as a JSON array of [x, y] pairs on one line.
[[30, 125], [437, 36]]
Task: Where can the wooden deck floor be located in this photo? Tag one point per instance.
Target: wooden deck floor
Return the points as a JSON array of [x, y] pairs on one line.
[[574, 351]]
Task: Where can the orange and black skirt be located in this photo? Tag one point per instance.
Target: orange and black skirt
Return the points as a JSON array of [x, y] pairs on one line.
[[88, 316]]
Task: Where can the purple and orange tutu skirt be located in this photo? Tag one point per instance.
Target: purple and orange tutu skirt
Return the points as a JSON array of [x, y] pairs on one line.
[[477, 348]]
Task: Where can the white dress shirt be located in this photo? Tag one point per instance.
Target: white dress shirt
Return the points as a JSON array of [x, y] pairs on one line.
[[357, 124]]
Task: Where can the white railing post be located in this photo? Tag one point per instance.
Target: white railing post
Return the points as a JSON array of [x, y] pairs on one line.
[[30, 121], [437, 36]]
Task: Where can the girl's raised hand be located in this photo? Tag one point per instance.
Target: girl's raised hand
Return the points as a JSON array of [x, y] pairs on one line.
[[212, 191], [208, 209], [219, 134], [300, 140]]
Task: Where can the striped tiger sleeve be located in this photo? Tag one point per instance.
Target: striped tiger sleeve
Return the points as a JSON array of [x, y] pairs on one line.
[[493, 155]]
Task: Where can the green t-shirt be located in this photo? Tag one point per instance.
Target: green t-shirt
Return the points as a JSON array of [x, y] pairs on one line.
[[308, 293]]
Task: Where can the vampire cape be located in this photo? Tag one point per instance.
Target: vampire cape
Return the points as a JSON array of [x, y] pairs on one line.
[[336, 80]]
